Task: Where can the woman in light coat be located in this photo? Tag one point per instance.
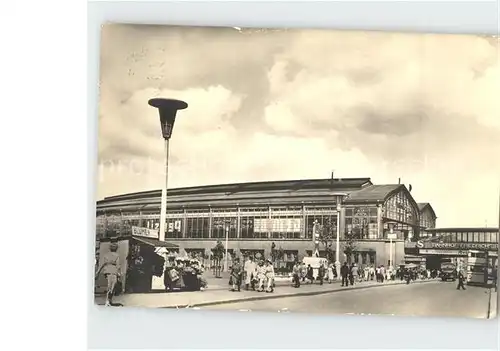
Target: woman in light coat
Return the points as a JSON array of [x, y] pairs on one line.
[[330, 273]]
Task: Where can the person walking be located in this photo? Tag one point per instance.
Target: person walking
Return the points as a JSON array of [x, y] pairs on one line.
[[236, 275], [111, 268], [330, 273], [382, 273], [310, 274], [270, 276], [321, 274], [461, 278], [296, 275], [344, 272], [354, 273], [261, 276]]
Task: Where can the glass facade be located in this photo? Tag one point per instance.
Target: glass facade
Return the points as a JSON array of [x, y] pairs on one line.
[[362, 222], [468, 237], [399, 208], [427, 219], [292, 222], [325, 219]]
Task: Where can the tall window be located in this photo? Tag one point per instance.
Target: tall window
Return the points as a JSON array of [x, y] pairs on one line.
[[399, 208], [197, 224], [225, 221], [362, 222], [494, 237], [253, 222], [325, 217], [286, 223]]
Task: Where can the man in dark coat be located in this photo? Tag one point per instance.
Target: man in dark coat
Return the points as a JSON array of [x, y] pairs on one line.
[[461, 278], [344, 272]]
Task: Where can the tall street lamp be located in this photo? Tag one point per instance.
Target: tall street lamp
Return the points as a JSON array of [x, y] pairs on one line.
[[338, 201], [167, 109], [316, 238], [226, 267], [391, 237]]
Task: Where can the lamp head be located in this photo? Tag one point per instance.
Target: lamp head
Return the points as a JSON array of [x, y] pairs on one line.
[[167, 109]]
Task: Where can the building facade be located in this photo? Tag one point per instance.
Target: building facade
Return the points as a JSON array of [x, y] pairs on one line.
[[427, 219], [451, 243], [254, 215]]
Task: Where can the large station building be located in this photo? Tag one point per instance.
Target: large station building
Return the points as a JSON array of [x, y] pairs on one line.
[[254, 215]]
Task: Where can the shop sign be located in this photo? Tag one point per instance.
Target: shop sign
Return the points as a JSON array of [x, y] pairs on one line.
[[443, 252], [145, 232], [461, 246]]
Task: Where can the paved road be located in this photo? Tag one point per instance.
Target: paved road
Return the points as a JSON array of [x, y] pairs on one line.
[[432, 299]]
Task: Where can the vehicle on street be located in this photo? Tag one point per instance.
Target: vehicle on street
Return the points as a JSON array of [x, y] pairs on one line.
[[315, 263], [477, 273], [448, 271]]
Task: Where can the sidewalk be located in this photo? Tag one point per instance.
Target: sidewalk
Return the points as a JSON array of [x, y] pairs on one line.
[[215, 297]]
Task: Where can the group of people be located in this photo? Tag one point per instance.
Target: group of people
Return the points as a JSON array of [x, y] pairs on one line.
[[257, 275], [184, 273]]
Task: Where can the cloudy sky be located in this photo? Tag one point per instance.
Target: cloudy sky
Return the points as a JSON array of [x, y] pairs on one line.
[[297, 104]]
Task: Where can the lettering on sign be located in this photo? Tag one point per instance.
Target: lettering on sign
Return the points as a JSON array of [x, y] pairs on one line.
[[420, 244], [443, 252], [462, 246], [145, 232]]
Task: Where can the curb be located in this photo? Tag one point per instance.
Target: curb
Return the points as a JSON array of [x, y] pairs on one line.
[[306, 293]]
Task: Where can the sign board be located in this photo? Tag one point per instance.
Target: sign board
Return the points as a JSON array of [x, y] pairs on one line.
[[443, 252], [277, 225], [460, 246], [145, 232], [392, 236]]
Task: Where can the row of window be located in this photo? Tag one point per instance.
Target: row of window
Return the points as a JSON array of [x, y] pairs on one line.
[[469, 237], [259, 227]]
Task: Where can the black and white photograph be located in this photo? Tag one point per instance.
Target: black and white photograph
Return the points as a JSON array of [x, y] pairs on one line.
[[316, 171]]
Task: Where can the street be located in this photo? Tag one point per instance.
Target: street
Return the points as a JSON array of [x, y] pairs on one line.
[[435, 299]]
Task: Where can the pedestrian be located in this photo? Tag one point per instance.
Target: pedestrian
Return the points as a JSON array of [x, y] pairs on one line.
[[366, 272], [111, 268], [296, 275], [321, 274], [354, 273], [310, 274], [303, 272], [382, 273], [249, 268], [270, 276], [335, 273], [236, 275], [344, 272], [372, 272], [261, 276], [330, 273], [461, 278]]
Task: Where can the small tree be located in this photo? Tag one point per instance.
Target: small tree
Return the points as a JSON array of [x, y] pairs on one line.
[[350, 244], [327, 236], [218, 254]]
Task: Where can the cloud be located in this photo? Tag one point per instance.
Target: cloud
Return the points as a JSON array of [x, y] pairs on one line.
[[284, 104]]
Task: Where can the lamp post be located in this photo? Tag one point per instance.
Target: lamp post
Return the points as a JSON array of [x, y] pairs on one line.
[[316, 238], [338, 201], [391, 236], [167, 109], [227, 242]]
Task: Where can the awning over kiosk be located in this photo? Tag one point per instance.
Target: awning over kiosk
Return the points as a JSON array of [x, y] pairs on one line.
[[148, 241], [155, 242]]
